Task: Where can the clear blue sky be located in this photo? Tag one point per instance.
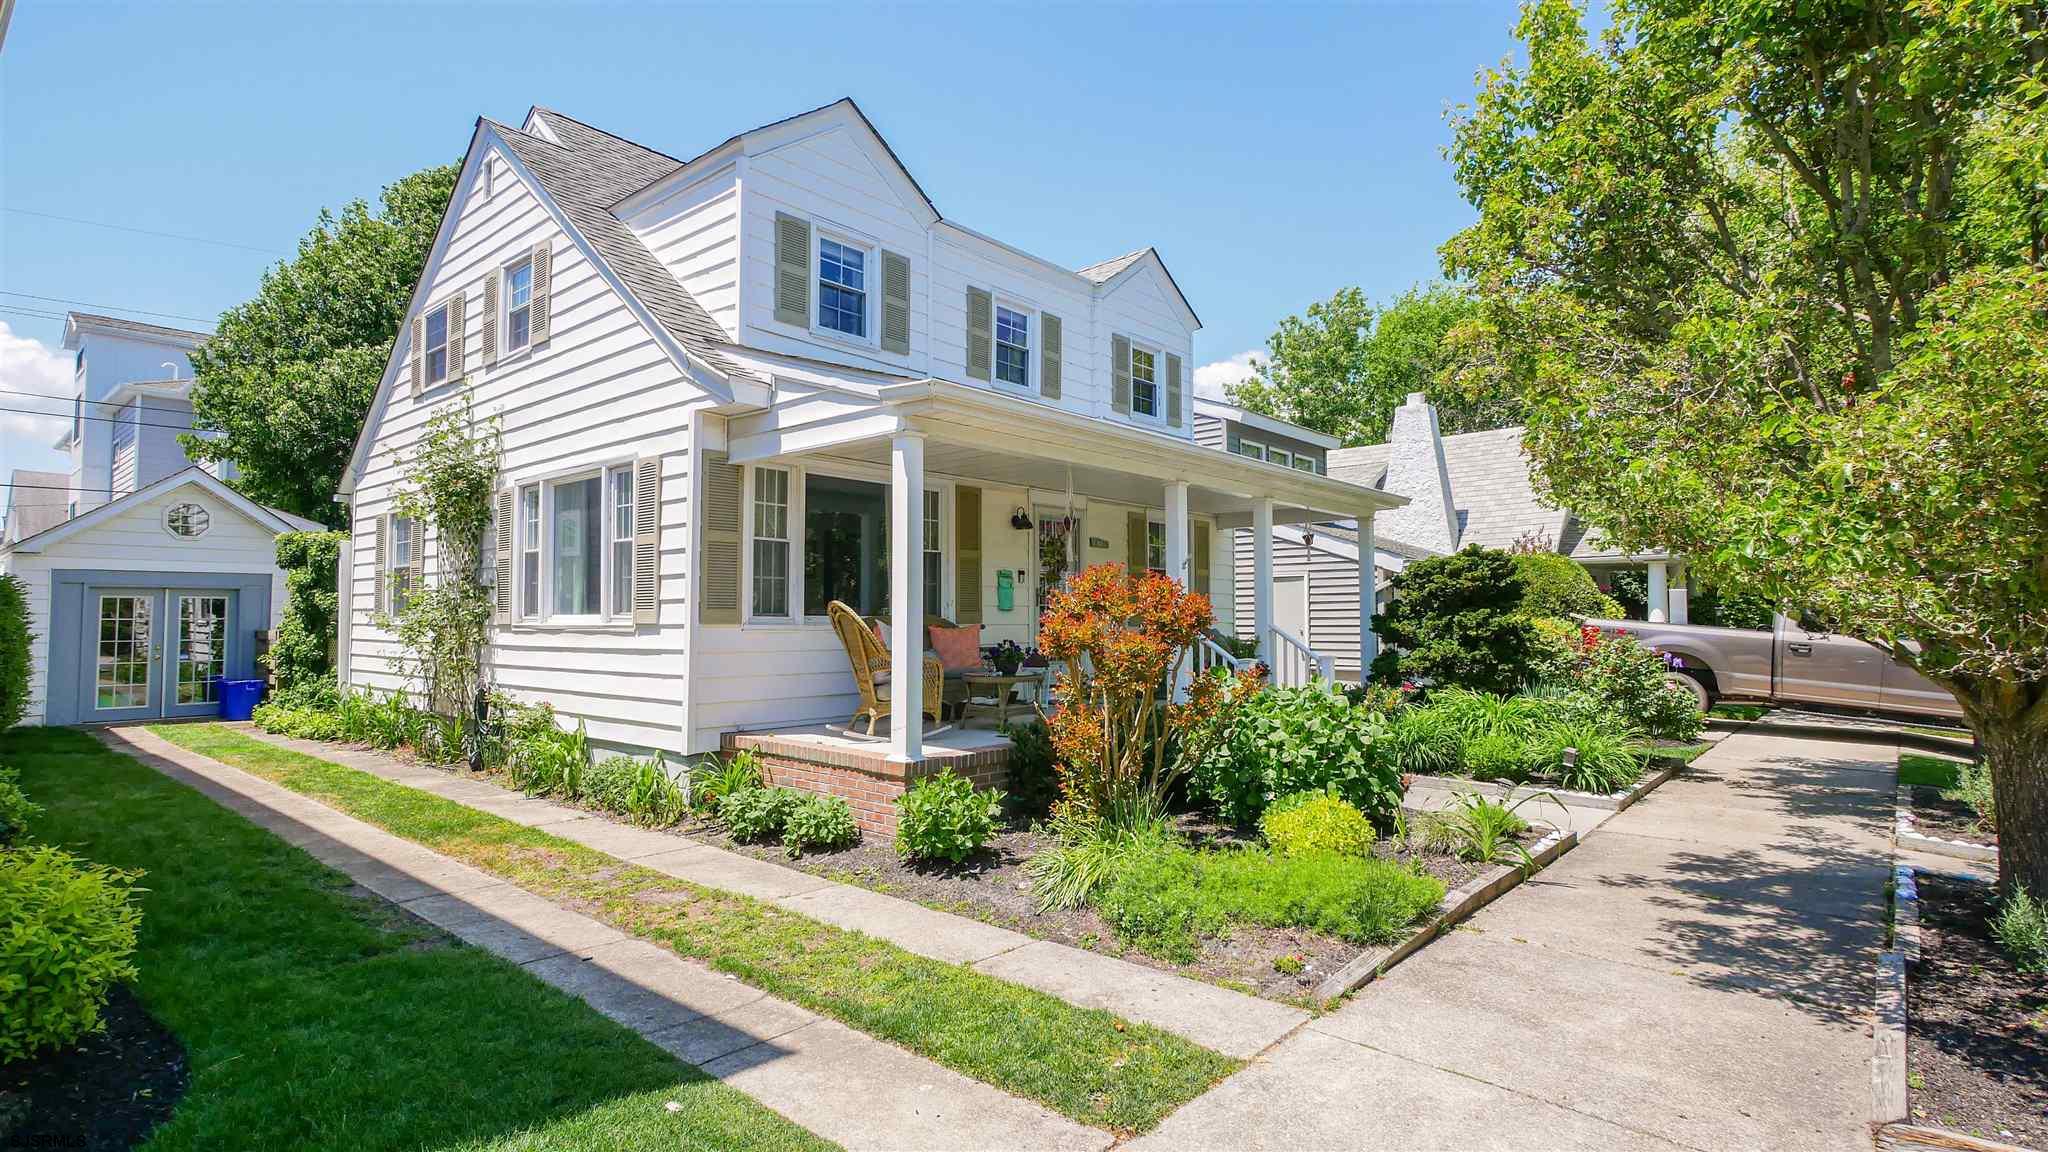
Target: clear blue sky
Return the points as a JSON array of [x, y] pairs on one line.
[[1273, 155]]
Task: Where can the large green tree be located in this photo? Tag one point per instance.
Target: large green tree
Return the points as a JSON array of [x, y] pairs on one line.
[[288, 377], [1770, 274], [1346, 365]]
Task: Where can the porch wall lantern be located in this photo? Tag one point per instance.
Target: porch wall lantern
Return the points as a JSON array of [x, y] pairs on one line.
[[1020, 521]]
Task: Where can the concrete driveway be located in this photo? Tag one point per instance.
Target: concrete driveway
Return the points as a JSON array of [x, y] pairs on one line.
[[1696, 975]]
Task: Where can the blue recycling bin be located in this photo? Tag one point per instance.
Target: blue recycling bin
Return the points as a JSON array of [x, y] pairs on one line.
[[238, 698]]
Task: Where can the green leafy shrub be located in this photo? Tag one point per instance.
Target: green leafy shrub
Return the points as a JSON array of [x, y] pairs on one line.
[[1554, 657], [1034, 782], [1307, 739], [300, 653], [609, 783], [16, 809], [1457, 621], [1628, 678], [1498, 756], [2022, 930], [1556, 585], [752, 814], [1317, 822], [817, 821], [541, 757], [712, 779], [14, 651], [944, 817], [67, 930], [1154, 902]]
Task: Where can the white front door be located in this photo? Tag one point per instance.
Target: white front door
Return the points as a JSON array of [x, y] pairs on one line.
[[1290, 606]]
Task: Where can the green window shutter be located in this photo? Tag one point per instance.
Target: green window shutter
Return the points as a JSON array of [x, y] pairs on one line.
[[895, 303], [501, 590], [718, 599], [1134, 543], [1172, 390], [967, 555], [647, 541], [981, 334], [457, 315], [1198, 564], [383, 582], [792, 270], [490, 335], [418, 349], [1049, 353], [1120, 374], [541, 312]]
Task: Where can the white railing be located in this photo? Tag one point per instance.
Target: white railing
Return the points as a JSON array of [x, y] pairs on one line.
[[1207, 655], [1295, 663]]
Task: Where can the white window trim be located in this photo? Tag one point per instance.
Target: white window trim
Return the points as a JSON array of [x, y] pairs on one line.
[[843, 470], [1280, 456], [393, 539], [522, 543], [1032, 325], [871, 285], [612, 616], [448, 372], [1158, 383], [505, 350], [1156, 517], [1243, 444]]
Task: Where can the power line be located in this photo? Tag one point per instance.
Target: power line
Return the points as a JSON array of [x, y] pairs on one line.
[[38, 314], [146, 231], [81, 399], [108, 307], [102, 419]]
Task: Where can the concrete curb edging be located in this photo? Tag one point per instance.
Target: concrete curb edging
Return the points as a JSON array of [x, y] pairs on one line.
[[1612, 801], [1457, 904], [1917, 1138], [1908, 835], [1849, 730], [1888, 1088]]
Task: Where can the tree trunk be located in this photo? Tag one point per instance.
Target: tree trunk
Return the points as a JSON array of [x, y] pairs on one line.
[[2010, 719]]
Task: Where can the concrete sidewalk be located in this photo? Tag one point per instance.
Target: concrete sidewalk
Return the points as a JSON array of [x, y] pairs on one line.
[[844, 1085], [1696, 975], [1219, 1019]]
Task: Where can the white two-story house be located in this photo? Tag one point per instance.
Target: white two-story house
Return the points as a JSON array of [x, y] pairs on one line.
[[734, 388]]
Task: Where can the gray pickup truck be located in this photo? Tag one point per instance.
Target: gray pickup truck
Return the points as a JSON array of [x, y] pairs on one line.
[[1790, 664]]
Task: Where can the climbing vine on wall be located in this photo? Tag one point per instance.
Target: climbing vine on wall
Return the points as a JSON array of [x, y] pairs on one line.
[[444, 629]]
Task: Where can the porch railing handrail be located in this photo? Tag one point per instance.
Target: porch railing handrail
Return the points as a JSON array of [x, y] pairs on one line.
[[1206, 655], [1295, 663]]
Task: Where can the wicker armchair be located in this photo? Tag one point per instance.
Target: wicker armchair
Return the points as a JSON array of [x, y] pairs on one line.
[[870, 663]]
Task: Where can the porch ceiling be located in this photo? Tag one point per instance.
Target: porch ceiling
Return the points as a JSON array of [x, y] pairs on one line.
[[971, 433]]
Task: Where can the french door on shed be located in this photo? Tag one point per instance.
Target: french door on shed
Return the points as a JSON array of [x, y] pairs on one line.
[[155, 652]]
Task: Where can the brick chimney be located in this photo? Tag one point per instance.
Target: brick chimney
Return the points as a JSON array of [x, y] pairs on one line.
[[1416, 469]]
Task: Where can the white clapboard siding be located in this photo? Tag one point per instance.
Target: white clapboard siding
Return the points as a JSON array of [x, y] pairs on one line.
[[695, 231], [599, 392], [963, 261], [136, 539]]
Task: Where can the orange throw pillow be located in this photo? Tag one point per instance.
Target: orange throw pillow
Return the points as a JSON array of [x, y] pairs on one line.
[[958, 648]]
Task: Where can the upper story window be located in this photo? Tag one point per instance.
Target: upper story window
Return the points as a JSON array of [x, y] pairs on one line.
[[436, 355], [842, 288], [1304, 463], [78, 367], [1144, 383], [1251, 448], [519, 304], [1279, 456], [1013, 347]]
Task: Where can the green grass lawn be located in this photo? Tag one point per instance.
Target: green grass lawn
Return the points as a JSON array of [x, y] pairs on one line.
[[1679, 753], [1084, 1063], [315, 1015], [1927, 771], [1730, 710]]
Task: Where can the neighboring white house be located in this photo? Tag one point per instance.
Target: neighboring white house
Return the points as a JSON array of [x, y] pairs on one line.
[[131, 400], [1471, 488], [736, 387], [140, 606]]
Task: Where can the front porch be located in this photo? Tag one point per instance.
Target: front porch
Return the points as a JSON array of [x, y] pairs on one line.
[[828, 759], [932, 502]]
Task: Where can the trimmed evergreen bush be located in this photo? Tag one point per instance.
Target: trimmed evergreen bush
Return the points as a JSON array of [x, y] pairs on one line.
[[1559, 586], [1457, 621]]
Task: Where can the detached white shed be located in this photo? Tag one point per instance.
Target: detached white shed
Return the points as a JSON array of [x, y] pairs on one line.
[[141, 606]]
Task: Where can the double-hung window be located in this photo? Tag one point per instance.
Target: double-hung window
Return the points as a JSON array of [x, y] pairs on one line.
[[436, 354], [1144, 383], [401, 564], [1013, 347], [620, 482], [771, 542], [842, 288], [933, 561], [1155, 545], [529, 552], [1251, 448], [519, 304]]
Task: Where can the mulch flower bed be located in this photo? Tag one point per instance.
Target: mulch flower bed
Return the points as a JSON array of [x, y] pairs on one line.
[[105, 1095], [1277, 963], [1977, 1028], [1948, 819]]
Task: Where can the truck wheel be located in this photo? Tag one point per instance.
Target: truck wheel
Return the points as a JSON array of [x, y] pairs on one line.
[[1692, 684]]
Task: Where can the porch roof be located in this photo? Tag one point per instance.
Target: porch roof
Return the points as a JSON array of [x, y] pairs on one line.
[[1019, 442]]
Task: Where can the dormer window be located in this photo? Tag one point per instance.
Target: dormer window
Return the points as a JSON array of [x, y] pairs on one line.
[[519, 304], [1013, 347], [436, 355], [842, 288], [1144, 383]]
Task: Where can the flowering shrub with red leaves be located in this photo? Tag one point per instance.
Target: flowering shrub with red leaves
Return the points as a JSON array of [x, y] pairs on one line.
[[1121, 641]]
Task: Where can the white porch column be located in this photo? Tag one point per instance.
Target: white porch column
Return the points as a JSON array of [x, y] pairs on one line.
[[1681, 599], [1659, 593], [1262, 577], [1368, 587], [906, 598], [1177, 558]]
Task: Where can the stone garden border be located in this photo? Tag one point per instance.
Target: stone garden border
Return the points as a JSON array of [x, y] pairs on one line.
[[1908, 835], [1497, 790], [1457, 904]]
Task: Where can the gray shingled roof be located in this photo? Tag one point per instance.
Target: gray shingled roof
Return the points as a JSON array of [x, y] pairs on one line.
[[586, 174], [137, 327], [1491, 487], [35, 501], [1106, 271]]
